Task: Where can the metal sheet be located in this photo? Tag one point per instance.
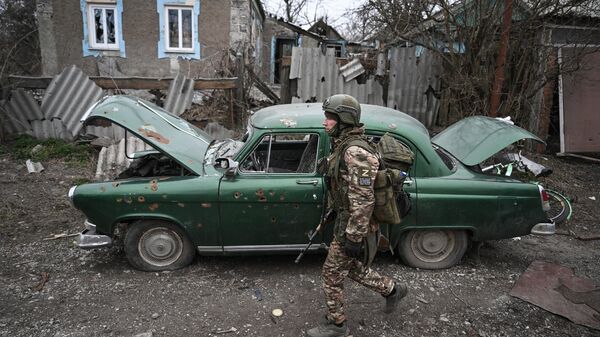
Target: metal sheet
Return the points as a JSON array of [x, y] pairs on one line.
[[68, 97], [112, 132], [112, 159], [412, 80], [352, 70], [180, 94], [20, 110], [555, 288], [46, 129], [318, 77]]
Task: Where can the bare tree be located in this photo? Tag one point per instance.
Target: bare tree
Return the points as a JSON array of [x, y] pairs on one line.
[[466, 36], [298, 12], [19, 46]]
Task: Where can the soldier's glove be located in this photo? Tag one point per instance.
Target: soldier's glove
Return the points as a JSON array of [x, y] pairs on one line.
[[353, 249]]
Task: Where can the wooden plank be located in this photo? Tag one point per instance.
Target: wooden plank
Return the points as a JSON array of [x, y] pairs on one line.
[[140, 83], [143, 83]]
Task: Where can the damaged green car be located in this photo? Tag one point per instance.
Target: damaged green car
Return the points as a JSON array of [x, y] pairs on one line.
[[193, 195]]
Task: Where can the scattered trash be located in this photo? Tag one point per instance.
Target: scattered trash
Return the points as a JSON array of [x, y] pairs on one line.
[[34, 167], [277, 312], [155, 315], [36, 149], [257, 295], [422, 300], [444, 319], [517, 238], [43, 280], [232, 329], [556, 289], [144, 334], [60, 236], [592, 198]]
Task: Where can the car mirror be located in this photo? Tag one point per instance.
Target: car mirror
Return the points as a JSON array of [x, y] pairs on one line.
[[228, 164]]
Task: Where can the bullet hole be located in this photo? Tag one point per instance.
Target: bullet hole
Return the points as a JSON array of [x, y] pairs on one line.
[[141, 198]]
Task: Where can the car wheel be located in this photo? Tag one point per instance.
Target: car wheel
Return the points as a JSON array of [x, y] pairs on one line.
[[154, 245], [432, 249]]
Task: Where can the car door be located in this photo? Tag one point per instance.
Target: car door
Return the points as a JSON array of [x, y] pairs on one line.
[[276, 197]]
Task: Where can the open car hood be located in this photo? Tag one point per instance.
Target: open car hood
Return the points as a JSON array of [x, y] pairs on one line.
[[169, 134], [475, 139]]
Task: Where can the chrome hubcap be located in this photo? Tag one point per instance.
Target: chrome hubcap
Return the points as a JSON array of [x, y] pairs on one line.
[[433, 246], [160, 246]]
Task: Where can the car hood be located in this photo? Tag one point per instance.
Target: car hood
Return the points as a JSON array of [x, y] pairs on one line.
[[475, 139], [169, 134]]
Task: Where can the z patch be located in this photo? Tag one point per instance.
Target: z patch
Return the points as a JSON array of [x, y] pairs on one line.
[[364, 181]]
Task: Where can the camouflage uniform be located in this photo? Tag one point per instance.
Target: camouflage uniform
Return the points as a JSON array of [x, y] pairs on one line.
[[353, 199]]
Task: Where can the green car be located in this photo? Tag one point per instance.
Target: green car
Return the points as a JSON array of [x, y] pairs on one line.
[[192, 194]]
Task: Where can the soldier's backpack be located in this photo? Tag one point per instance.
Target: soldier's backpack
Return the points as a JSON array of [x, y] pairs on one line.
[[392, 203]]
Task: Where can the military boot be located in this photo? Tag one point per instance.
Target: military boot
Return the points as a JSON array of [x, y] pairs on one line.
[[391, 301], [329, 329]]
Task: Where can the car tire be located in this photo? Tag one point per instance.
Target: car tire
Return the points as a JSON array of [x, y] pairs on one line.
[[154, 245], [433, 249]]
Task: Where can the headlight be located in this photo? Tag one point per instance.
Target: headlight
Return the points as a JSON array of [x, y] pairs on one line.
[[71, 194]]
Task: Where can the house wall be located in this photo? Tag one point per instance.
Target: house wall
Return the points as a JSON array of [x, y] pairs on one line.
[[140, 22]]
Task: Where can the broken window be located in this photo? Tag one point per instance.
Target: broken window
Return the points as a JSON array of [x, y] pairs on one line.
[[179, 29], [283, 153], [103, 27]]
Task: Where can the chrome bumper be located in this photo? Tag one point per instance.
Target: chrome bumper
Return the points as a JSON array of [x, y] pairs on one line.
[[88, 239], [544, 229]]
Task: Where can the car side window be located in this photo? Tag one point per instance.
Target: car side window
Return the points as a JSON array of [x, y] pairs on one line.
[[283, 153]]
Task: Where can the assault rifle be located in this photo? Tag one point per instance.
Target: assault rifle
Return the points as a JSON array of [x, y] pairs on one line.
[[324, 220]]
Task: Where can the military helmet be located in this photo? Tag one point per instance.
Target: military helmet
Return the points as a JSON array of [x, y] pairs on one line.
[[345, 107]]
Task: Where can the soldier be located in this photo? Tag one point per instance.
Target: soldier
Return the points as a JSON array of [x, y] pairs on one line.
[[351, 170]]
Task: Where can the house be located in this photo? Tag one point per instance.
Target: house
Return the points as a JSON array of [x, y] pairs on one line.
[[331, 38], [150, 38], [279, 37]]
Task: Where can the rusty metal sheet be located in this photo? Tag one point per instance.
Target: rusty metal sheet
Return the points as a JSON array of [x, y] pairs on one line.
[[68, 97], [180, 94], [555, 288], [414, 76], [580, 102], [20, 110]]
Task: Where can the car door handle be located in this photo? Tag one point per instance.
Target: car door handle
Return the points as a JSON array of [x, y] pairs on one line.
[[408, 181], [307, 182]]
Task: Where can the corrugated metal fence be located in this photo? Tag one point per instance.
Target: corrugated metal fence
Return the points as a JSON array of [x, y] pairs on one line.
[[414, 81]]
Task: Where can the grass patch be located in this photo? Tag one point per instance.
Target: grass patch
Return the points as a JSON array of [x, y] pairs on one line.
[[77, 154], [81, 181]]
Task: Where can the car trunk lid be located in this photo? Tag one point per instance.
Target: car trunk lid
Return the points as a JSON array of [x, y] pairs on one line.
[[475, 139]]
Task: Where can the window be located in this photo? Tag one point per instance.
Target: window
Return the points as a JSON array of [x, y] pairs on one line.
[[102, 28], [283, 153], [103, 23], [178, 26], [179, 30]]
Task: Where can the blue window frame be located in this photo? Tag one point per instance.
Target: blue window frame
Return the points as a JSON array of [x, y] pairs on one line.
[[178, 20], [102, 28]]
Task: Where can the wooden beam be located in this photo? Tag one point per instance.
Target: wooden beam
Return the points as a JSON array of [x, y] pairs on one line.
[[143, 83]]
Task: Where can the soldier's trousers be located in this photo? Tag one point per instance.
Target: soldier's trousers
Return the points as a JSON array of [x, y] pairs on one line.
[[336, 267]]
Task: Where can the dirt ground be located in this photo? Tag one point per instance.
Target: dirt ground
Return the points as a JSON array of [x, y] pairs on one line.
[[51, 288]]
